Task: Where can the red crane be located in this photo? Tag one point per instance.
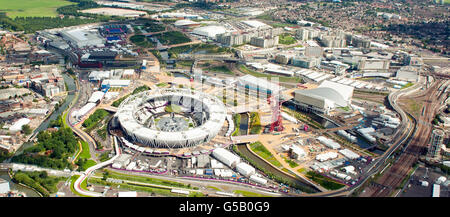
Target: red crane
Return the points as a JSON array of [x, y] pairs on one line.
[[277, 123]]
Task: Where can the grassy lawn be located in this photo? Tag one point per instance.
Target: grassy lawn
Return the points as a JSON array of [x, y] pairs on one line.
[[163, 84], [169, 38], [219, 69], [185, 63], [346, 108], [287, 39], [72, 182], [85, 153], [141, 41], [246, 70], [160, 191], [237, 123], [115, 175], [409, 84], [94, 119], [214, 188], [291, 163], [262, 151], [302, 170], [248, 193], [324, 181], [32, 8], [255, 123]]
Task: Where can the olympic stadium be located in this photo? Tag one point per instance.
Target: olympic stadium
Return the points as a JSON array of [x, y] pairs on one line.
[[171, 118]]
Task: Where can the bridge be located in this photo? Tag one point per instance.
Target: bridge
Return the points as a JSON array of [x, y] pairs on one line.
[[225, 57], [245, 139], [109, 108], [346, 127]]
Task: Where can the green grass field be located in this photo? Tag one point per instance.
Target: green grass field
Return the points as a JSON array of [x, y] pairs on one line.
[[32, 8], [249, 194], [260, 150]]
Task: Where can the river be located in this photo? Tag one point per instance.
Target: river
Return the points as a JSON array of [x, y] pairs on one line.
[[44, 125], [28, 191], [242, 148], [243, 127]]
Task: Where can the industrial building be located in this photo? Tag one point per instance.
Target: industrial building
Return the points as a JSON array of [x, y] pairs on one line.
[[115, 83], [373, 64], [437, 139], [171, 118], [407, 73], [305, 62], [296, 152], [82, 38], [327, 96]]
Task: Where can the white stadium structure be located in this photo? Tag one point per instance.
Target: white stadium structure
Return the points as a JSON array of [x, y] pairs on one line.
[[171, 118]]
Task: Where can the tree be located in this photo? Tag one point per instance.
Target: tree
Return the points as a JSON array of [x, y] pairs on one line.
[[26, 129]]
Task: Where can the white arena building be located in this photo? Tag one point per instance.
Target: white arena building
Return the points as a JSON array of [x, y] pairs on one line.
[[171, 118], [209, 31], [327, 96]]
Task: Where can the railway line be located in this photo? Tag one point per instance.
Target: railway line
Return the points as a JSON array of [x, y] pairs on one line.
[[394, 175]]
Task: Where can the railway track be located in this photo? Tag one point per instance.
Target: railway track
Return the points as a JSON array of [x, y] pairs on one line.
[[393, 177]]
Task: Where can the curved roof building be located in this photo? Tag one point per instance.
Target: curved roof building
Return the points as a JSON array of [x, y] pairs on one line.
[[209, 31], [171, 118], [325, 97], [185, 23]]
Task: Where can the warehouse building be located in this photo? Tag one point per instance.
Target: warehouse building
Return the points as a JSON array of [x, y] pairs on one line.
[[82, 38]]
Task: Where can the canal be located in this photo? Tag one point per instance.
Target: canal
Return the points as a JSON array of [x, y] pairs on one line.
[[28, 191], [242, 148], [44, 125], [243, 127]]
